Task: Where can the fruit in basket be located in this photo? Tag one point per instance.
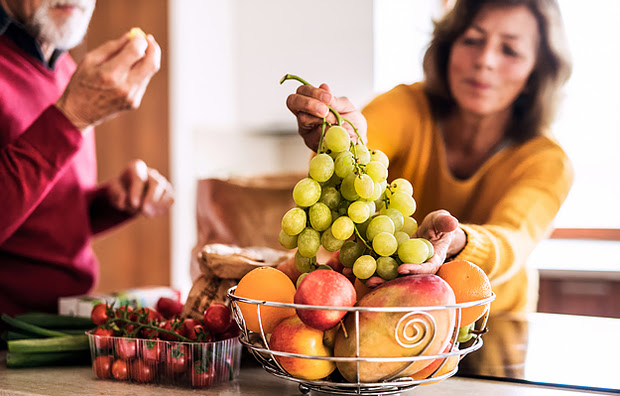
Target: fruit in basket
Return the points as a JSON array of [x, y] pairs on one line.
[[398, 334], [470, 283], [293, 336], [265, 284], [438, 365], [327, 288]]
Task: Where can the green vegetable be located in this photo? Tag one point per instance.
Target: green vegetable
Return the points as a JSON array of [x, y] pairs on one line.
[[54, 344], [31, 328], [20, 360], [53, 321]]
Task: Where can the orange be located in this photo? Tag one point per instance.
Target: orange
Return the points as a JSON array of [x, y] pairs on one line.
[[469, 283], [265, 284]]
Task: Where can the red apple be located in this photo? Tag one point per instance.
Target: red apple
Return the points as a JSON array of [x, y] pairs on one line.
[[326, 288], [293, 336]]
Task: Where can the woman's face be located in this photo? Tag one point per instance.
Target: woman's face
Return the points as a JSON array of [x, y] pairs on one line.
[[491, 61]]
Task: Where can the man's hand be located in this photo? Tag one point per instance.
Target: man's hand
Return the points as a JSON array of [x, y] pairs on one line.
[[309, 105], [140, 189], [112, 78]]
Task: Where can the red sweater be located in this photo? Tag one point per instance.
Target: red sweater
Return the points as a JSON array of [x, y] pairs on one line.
[[49, 206]]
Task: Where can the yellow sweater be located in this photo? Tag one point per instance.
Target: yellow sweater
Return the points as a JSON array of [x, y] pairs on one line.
[[505, 208]]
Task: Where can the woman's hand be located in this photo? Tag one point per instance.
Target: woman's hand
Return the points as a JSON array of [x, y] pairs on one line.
[[309, 105], [140, 189], [442, 230]]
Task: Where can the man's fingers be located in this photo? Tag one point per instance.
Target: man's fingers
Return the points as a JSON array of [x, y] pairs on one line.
[[121, 62], [136, 177], [107, 50], [305, 104], [149, 64]]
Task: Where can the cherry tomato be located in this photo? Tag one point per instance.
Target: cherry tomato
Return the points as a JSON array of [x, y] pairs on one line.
[[125, 311], [142, 371], [148, 315], [99, 314], [102, 365], [126, 348], [233, 331], [150, 350], [198, 333], [217, 318], [120, 370], [189, 324], [103, 337], [202, 374], [174, 325], [177, 358], [169, 307]]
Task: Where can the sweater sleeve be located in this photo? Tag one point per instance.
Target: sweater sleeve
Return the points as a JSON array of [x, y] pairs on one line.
[[523, 216], [30, 165], [103, 216]]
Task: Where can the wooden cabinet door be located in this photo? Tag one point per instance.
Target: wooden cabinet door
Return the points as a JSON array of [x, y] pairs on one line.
[[137, 253]]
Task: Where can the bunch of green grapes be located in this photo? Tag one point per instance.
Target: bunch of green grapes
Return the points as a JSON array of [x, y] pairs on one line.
[[347, 204]]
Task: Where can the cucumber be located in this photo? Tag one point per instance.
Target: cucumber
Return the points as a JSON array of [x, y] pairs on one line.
[[53, 344], [53, 321], [21, 360]]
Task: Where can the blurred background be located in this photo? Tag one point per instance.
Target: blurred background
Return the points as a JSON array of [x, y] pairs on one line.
[[216, 109]]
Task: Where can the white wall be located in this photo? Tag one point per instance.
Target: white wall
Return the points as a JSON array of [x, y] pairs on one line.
[[228, 111]]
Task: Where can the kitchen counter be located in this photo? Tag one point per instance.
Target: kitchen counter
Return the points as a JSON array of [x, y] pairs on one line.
[[536, 354], [70, 381]]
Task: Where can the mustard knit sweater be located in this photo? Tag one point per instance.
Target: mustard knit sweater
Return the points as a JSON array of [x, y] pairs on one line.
[[505, 208]]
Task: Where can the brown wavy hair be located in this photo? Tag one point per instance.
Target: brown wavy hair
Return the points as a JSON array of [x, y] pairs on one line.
[[535, 108]]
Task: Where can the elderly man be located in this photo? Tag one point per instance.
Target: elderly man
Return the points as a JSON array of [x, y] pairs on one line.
[[50, 205]]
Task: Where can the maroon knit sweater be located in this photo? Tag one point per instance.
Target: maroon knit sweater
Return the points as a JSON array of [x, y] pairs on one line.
[[49, 206]]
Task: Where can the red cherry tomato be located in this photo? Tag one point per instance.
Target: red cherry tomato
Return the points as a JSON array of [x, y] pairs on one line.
[[202, 374], [150, 350], [103, 337], [99, 314], [177, 358], [120, 370], [233, 331], [174, 325], [169, 307], [148, 315], [126, 348], [142, 371], [102, 365], [217, 318]]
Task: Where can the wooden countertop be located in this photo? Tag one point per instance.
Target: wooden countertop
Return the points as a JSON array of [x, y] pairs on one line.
[[70, 381]]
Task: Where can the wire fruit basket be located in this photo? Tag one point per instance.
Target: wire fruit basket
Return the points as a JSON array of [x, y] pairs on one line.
[[397, 382]]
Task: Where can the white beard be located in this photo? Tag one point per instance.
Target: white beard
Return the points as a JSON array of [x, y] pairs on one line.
[[61, 33]]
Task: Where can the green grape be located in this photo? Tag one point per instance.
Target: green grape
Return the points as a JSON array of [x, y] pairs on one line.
[[362, 227], [358, 211], [294, 221], [332, 182], [396, 216], [324, 267], [306, 192], [308, 242], [371, 206], [401, 237], [377, 171], [287, 241], [401, 184], [300, 278], [321, 167], [364, 186], [349, 252], [376, 192], [337, 138], [361, 153], [343, 208], [320, 216], [413, 251], [410, 226], [378, 155], [384, 244], [381, 223], [330, 197], [380, 203], [465, 333], [304, 264], [330, 242], [347, 188], [364, 267], [344, 164], [342, 228], [387, 268], [403, 202], [431, 248]]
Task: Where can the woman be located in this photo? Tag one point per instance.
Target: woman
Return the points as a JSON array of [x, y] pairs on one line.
[[473, 138]]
